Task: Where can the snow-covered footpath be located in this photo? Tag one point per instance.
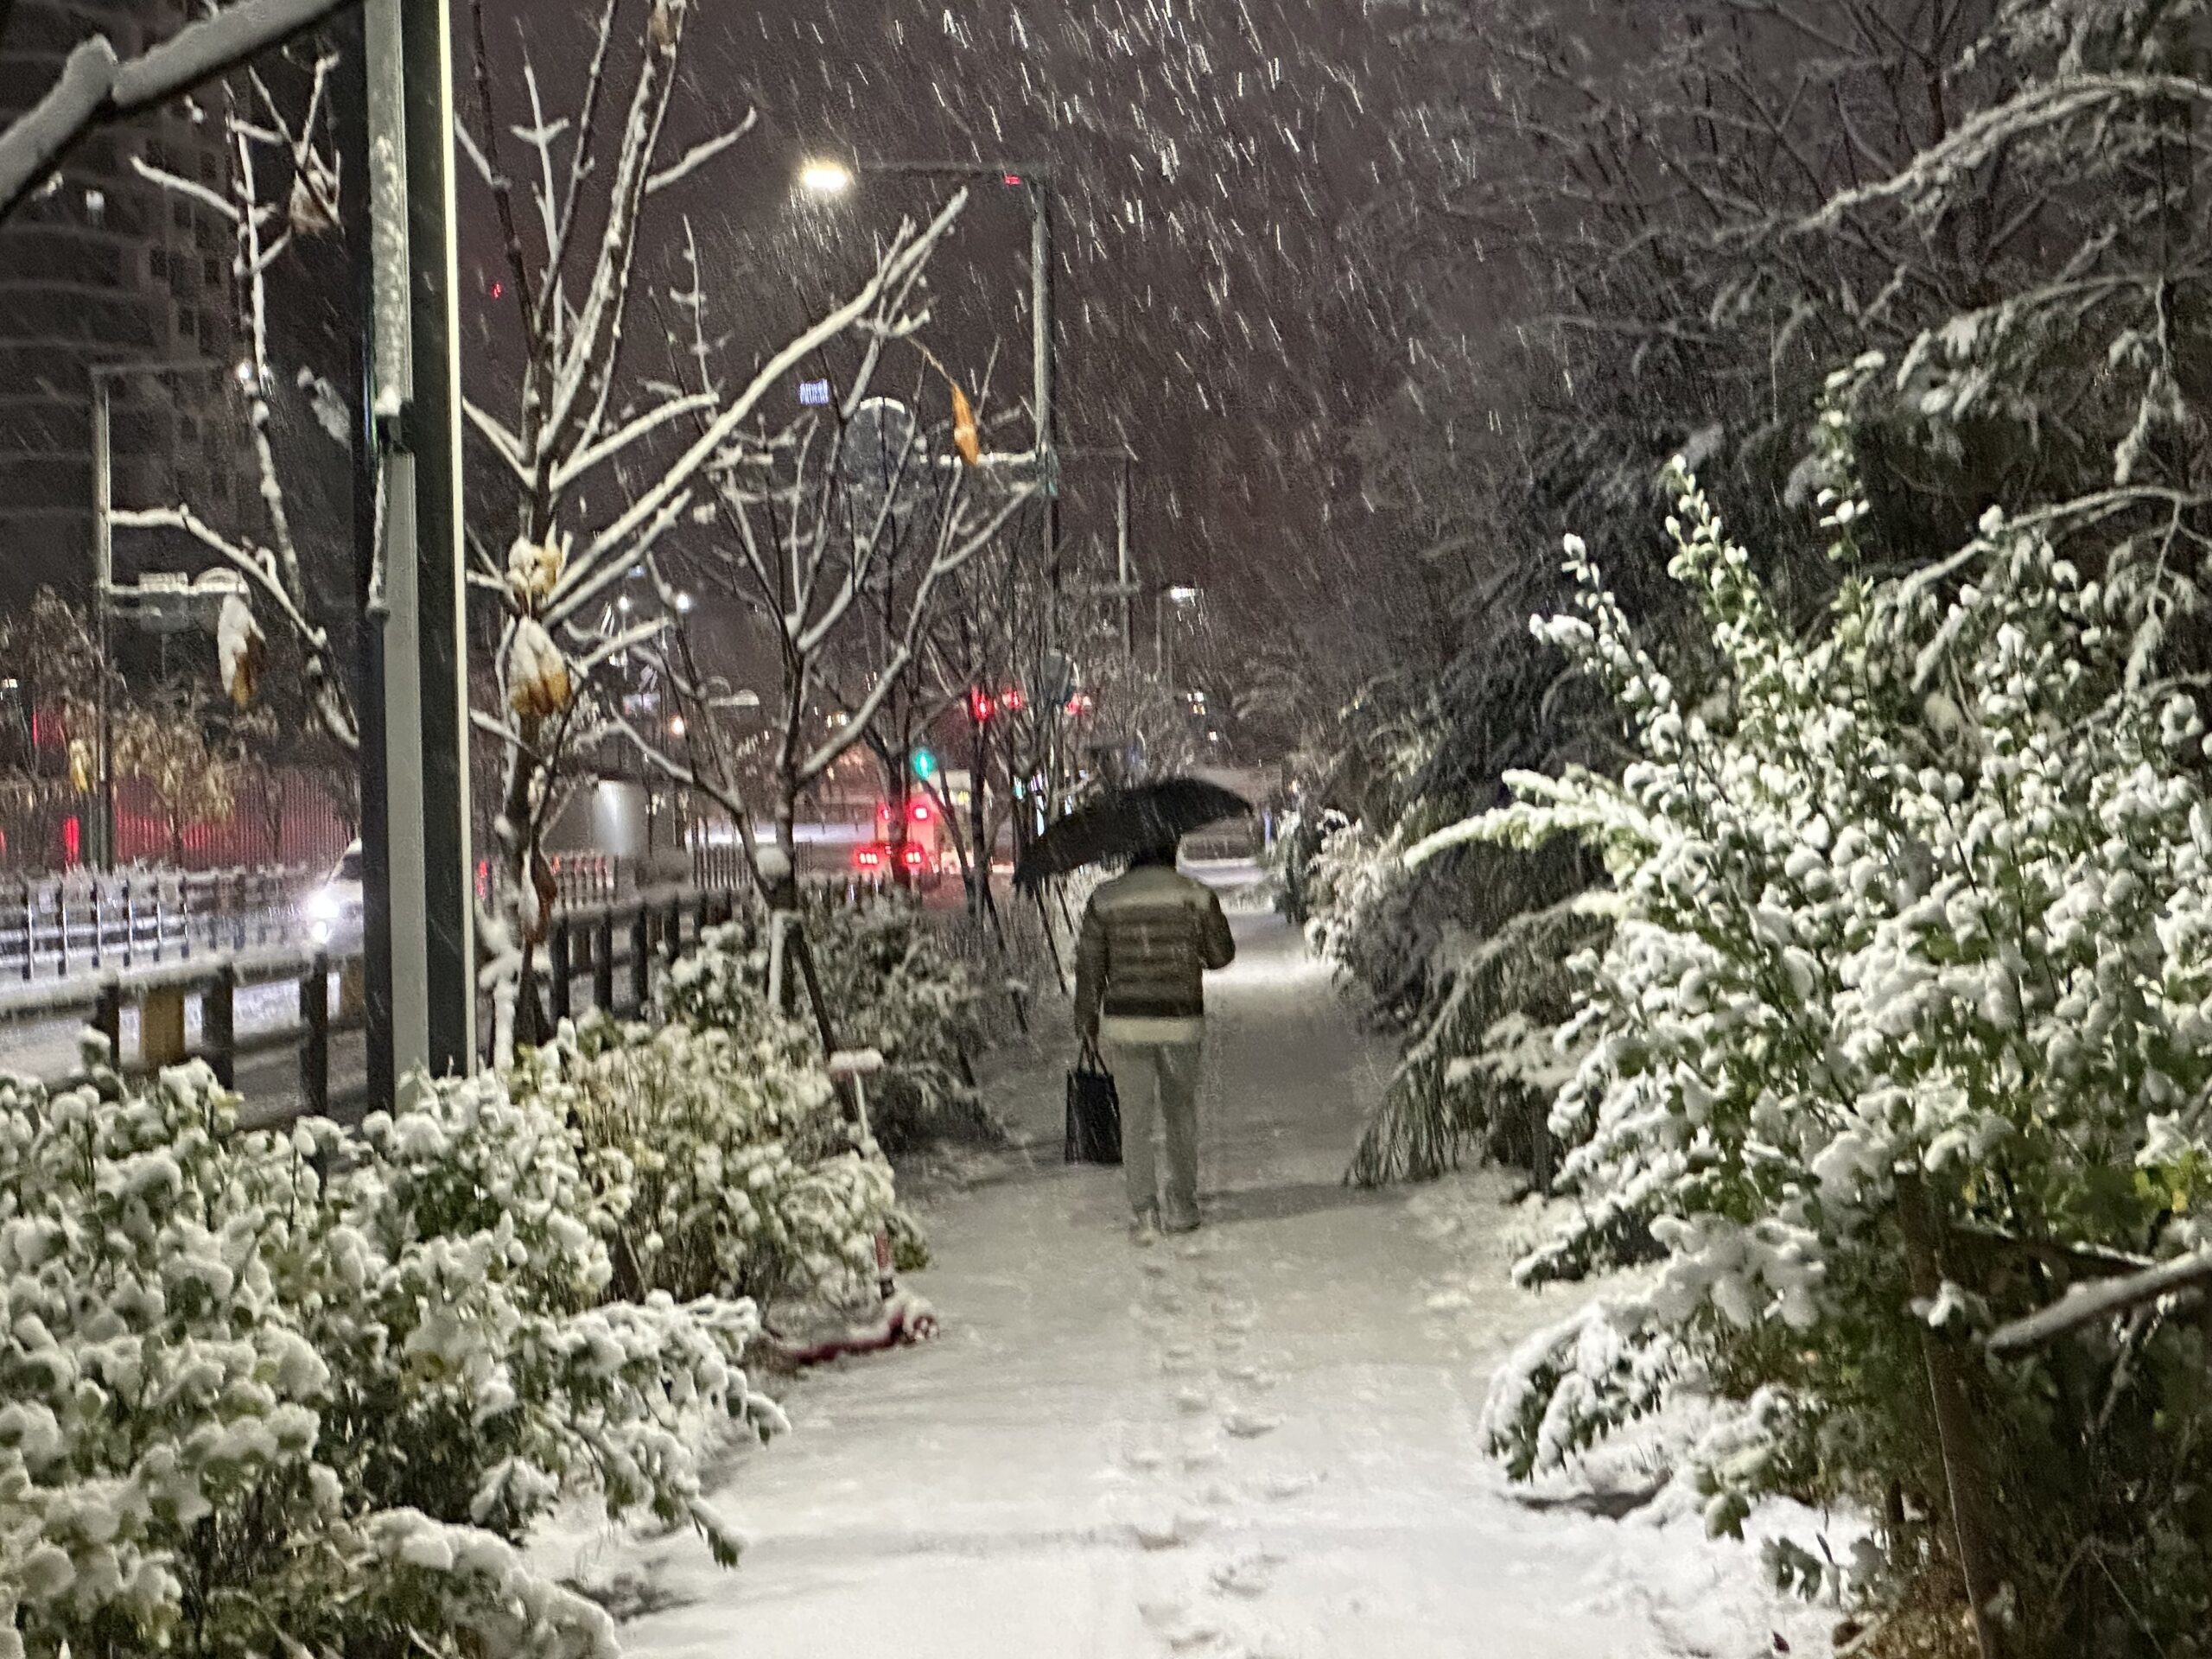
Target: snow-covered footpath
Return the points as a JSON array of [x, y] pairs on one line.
[[1257, 1442]]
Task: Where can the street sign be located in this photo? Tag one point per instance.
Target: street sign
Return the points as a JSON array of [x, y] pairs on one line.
[[814, 393]]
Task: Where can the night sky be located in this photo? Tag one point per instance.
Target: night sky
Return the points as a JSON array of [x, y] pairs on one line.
[[1214, 164]]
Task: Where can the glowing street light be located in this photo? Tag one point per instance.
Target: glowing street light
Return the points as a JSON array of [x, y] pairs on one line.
[[825, 178]]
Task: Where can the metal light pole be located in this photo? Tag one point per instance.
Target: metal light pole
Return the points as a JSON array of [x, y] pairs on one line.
[[419, 882], [1124, 578], [103, 377], [1124, 586], [1178, 594]]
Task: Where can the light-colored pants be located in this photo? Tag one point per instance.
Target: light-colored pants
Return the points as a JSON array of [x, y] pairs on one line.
[[1159, 1083]]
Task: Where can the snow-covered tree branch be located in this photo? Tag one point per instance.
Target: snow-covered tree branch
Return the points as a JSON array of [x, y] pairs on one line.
[[95, 87]]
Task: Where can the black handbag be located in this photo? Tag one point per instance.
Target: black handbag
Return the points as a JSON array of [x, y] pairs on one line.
[[1094, 1111]]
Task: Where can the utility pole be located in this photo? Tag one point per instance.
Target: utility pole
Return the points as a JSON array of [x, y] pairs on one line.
[[1042, 347], [419, 879], [1124, 579]]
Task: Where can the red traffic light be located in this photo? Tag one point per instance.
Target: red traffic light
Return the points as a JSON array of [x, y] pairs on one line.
[[1013, 701], [979, 706]]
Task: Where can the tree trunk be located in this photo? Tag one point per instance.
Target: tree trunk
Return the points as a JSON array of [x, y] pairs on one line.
[[899, 800], [1964, 1474], [780, 889]]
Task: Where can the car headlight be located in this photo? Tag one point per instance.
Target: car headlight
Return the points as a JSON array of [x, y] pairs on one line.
[[323, 906]]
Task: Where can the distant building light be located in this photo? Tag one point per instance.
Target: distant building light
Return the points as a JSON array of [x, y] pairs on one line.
[[814, 393]]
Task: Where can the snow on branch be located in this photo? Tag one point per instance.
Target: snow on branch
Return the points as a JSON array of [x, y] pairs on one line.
[[575, 466], [2087, 1304], [94, 87], [907, 255], [1982, 136], [699, 155]]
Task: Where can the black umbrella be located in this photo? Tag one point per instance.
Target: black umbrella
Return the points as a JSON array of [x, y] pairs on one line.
[[1124, 822]]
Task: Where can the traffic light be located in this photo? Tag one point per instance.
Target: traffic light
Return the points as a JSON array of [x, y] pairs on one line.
[[980, 705], [924, 764]]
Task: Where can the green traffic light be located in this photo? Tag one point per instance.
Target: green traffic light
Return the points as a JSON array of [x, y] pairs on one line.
[[924, 764]]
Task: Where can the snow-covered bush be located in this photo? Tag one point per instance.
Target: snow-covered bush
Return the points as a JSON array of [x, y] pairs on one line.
[[1906, 1022], [893, 982], [1363, 913], [727, 1166], [297, 1392], [1481, 1065]]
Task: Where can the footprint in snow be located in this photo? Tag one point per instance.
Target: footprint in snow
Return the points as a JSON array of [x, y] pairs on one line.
[[1250, 1425], [1183, 1628], [1191, 1638], [1167, 1529], [1247, 1575], [1193, 1400], [1287, 1485]]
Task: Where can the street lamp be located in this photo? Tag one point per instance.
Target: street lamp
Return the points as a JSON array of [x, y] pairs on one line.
[[826, 178]]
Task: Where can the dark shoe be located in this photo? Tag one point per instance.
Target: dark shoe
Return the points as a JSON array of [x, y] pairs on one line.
[[1144, 1230], [1180, 1225]]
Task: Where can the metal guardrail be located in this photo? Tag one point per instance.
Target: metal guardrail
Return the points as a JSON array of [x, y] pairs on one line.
[[611, 947], [83, 922]]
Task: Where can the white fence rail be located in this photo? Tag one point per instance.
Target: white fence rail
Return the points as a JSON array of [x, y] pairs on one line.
[[59, 927]]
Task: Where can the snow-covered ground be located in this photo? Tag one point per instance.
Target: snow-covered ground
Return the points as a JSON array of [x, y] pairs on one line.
[[1260, 1441]]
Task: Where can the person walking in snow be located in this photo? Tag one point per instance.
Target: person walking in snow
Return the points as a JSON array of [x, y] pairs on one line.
[[1148, 937]]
